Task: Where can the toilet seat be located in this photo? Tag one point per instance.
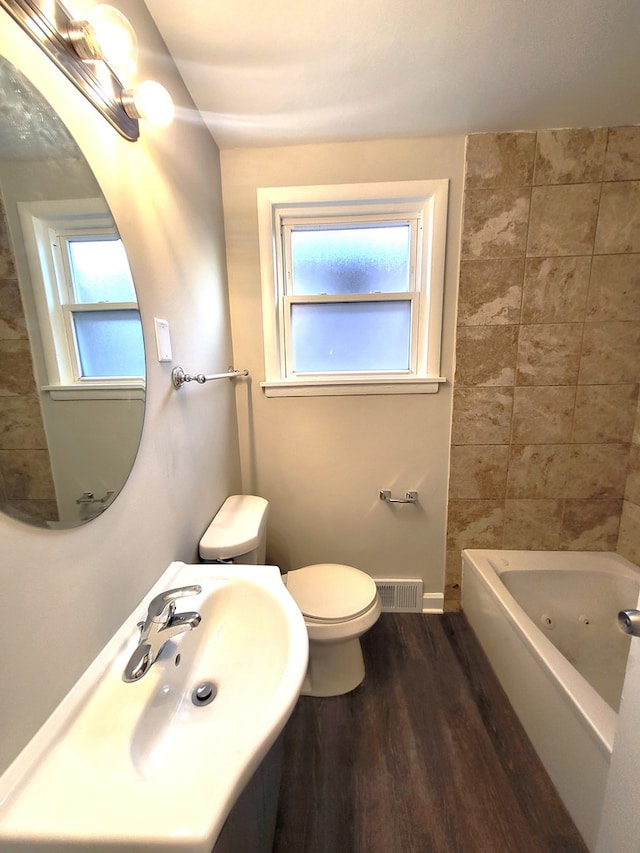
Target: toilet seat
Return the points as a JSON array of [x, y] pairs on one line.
[[330, 592]]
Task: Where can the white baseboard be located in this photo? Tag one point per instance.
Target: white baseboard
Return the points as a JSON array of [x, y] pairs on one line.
[[433, 602]]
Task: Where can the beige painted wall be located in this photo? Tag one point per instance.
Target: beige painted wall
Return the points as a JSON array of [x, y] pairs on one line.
[[65, 592], [321, 461]]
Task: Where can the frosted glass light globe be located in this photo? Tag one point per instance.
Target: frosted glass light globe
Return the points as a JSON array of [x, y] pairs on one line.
[[149, 101]]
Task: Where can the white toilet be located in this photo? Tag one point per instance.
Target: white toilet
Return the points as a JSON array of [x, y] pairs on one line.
[[339, 603]]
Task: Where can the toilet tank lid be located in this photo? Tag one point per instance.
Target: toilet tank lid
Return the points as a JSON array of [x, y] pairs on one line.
[[237, 527]]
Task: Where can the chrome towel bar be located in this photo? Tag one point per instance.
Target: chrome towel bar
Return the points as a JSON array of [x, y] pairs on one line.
[[179, 377]]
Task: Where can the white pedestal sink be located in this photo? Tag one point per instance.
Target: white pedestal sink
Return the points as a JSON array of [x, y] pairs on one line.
[[140, 766]]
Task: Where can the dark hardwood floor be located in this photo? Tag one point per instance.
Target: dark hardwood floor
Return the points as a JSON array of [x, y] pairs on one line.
[[426, 756]]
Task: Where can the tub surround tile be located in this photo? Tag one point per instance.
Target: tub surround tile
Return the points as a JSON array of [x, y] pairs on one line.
[[13, 325], [622, 162], [555, 252], [542, 415], [629, 533], [532, 524], [21, 423], [563, 220], [486, 355], [597, 471], [604, 414], [555, 290], [482, 415], [454, 565], [7, 263], [549, 354], [570, 156], [490, 292], [537, 471], [38, 512], [632, 486], [610, 353], [453, 585], [475, 524], [27, 474], [499, 159], [495, 223], [619, 218], [614, 288], [590, 525], [16, 368], [478, 471]]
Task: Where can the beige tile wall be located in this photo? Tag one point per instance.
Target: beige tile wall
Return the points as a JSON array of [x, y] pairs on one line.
[[26, 482], [629, 535], [548, 346]]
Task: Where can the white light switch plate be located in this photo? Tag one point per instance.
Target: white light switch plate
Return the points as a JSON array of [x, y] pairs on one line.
[[163, 339]]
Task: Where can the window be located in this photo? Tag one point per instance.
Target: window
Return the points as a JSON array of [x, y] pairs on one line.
[[98, 302], [352, 280], [84, 296]]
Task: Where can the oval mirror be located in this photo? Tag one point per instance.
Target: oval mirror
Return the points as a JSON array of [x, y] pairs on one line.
[[72, 388]]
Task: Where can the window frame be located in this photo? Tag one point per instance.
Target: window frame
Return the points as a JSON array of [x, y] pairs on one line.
[[423, 203], [46, 226]]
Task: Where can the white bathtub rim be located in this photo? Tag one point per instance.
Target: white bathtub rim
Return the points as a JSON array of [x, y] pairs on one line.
[[571, 561], [597, 717]]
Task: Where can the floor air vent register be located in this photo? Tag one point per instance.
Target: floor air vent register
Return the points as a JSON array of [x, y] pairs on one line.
[[400, 596]]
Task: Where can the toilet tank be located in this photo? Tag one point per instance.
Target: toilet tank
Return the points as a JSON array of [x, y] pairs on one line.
[[237, 532]]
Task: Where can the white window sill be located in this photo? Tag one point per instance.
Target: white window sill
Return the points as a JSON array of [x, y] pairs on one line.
[[343, 387], [97, 391]]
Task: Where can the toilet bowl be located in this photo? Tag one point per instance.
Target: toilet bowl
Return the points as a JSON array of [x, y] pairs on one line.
[[339, 603]]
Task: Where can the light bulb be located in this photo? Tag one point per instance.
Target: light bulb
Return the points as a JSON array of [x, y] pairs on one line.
[[149, 101], [116, 37]]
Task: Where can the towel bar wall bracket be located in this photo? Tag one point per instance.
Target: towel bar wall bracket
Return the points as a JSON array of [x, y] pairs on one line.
[[179, 377]]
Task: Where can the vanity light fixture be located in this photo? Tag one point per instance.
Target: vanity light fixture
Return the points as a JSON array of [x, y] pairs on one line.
[[90, 52], [149, 101]]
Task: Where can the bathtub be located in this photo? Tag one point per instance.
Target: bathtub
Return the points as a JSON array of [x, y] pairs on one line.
[[547, 621]]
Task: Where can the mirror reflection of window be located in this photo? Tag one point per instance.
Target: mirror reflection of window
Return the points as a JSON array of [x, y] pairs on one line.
[[84, 293], [73, 400], [103, 316]]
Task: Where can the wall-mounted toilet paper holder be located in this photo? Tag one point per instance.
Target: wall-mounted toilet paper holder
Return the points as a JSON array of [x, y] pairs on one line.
[[409, 497]]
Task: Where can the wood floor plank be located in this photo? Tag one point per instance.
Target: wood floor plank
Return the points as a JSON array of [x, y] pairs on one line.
[[426, 756]]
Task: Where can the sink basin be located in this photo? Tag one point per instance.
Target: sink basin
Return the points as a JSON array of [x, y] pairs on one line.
[[142, 766]]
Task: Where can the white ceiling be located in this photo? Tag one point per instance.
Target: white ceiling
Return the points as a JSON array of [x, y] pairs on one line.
[[280, 72]]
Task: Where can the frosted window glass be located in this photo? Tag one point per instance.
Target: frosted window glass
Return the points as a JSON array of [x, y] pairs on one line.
[[100, 271], [110, 343], [351, 337], [351, 260]]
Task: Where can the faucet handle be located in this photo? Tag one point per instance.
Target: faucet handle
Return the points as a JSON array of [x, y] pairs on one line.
[[163, 606]]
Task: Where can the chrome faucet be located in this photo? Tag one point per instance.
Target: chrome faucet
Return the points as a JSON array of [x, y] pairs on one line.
[[161, 624]]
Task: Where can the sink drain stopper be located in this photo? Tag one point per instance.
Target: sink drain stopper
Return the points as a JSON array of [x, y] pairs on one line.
[[204, 693]]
